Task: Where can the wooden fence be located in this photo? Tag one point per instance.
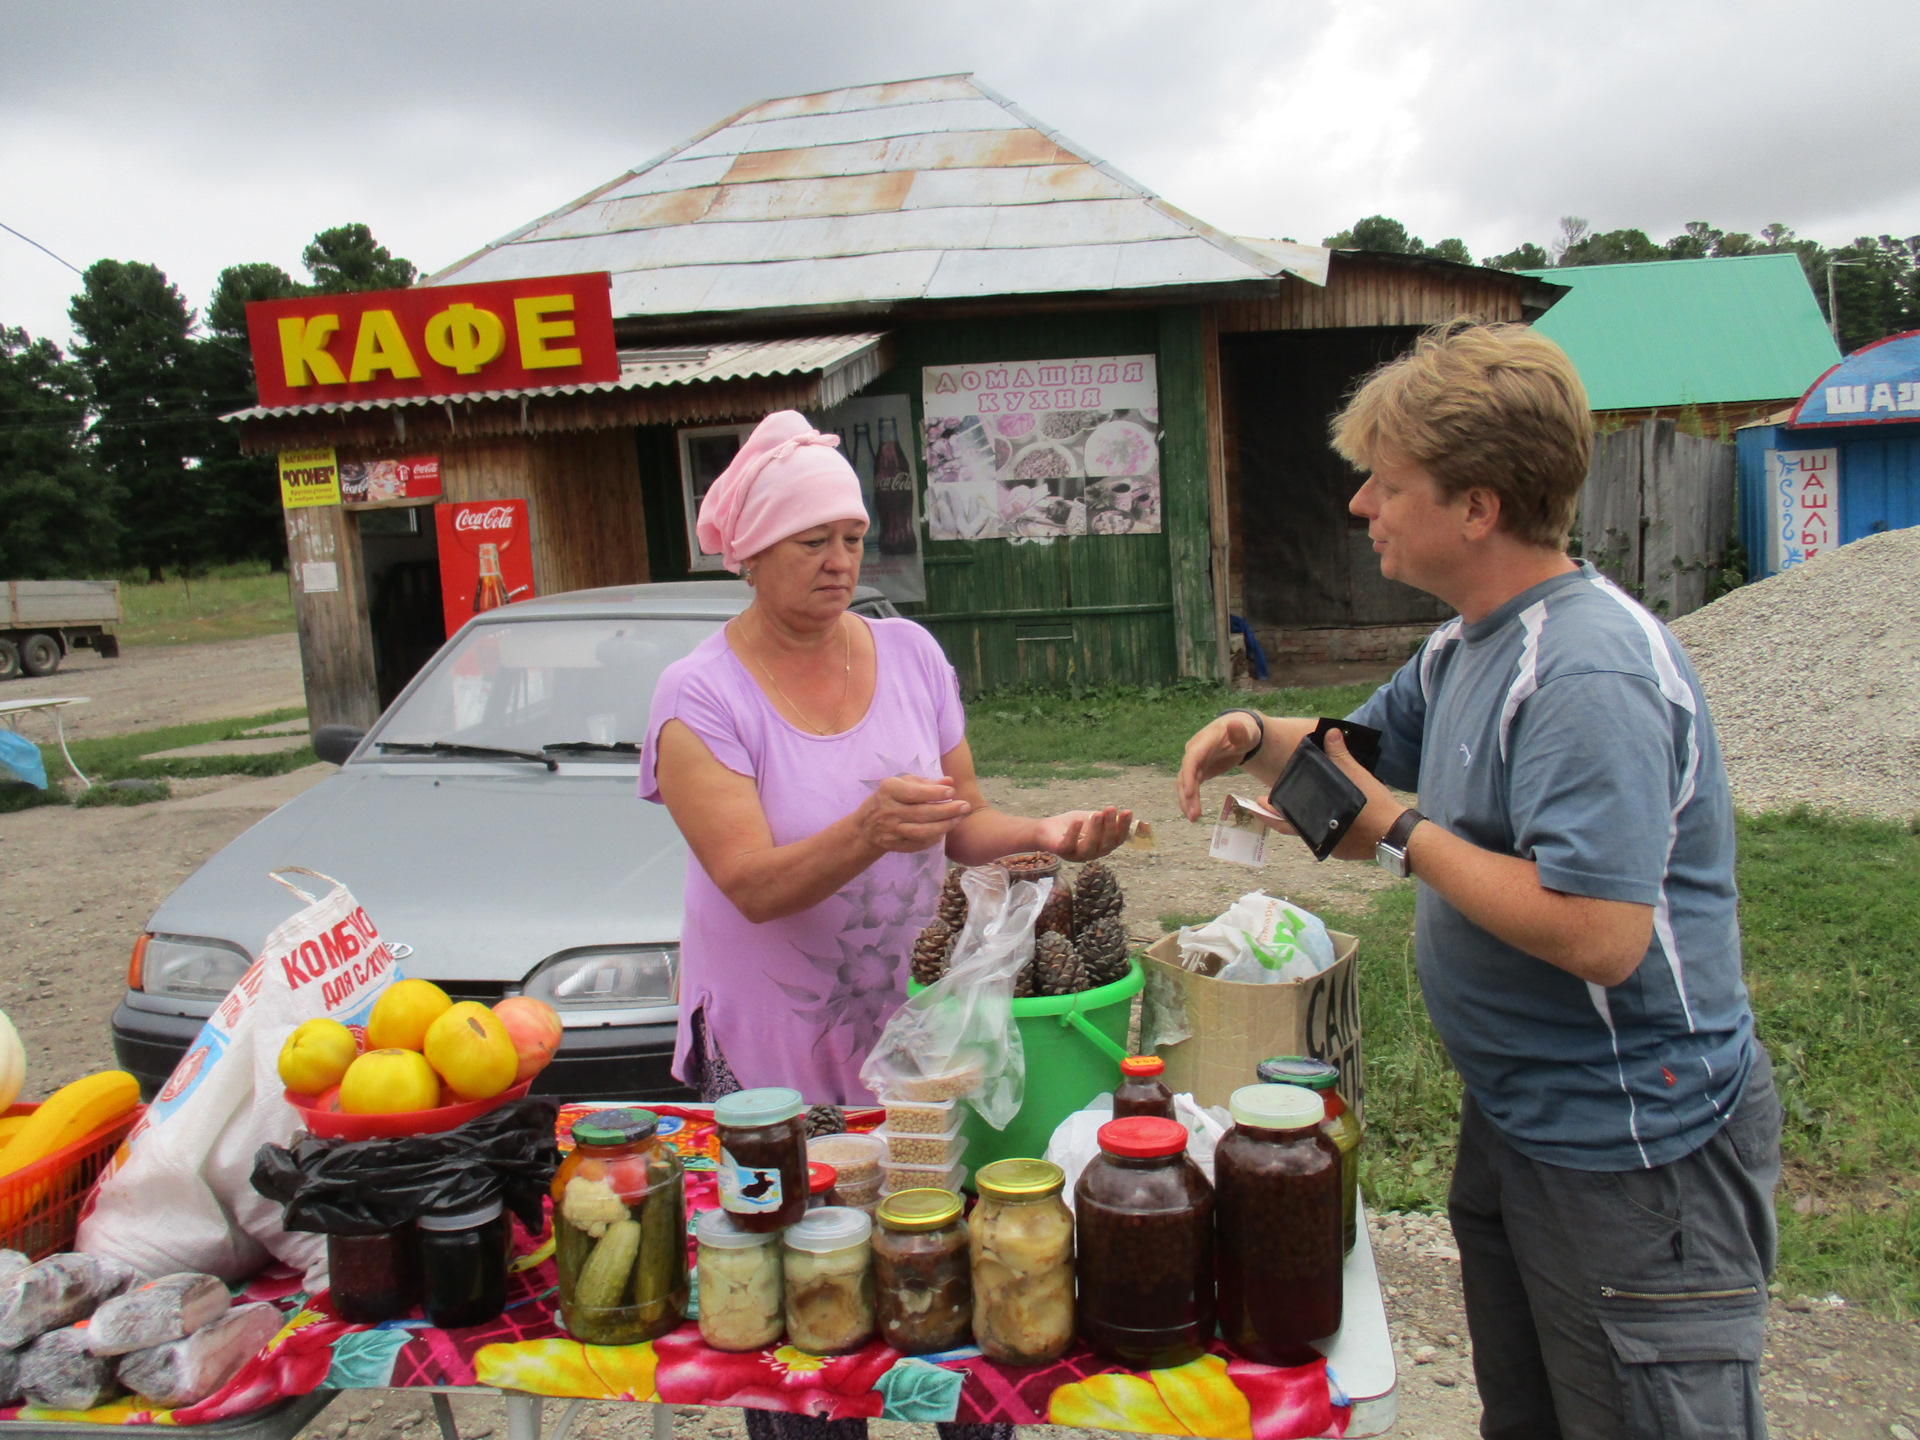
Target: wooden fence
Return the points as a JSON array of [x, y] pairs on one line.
[[1657, 513]]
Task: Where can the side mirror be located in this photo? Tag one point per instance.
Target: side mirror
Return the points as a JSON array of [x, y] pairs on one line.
[[334, 743]]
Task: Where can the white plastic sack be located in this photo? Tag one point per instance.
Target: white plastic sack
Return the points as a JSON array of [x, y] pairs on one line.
[[182, 1198], [1076, 1139], [957, 1037], [1259, 941]]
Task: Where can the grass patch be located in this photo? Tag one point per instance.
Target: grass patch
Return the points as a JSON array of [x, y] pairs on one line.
[[108, 795], [18, 795], [232, 602], [117, 757], [1025, 733]]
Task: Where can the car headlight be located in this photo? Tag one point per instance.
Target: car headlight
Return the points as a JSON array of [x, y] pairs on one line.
[[607, 979], [190, 967]]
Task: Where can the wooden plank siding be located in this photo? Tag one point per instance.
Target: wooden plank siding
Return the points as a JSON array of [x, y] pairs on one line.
[[1362, 293], [336, 641], [1186, 489]]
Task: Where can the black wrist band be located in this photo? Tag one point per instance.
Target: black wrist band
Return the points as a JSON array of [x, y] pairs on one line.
[[1259, 724]]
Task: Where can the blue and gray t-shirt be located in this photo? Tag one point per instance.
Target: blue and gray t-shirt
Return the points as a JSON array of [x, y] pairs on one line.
[[1568, 728]]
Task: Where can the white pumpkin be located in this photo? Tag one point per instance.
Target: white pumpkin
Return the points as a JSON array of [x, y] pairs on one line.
[[13, 1062]]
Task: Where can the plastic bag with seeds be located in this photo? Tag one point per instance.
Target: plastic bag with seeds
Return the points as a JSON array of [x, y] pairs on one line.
[[956, 1038]]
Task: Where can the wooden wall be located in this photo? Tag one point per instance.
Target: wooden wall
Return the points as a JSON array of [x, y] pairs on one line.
[[1657, 513], [1364, 293], [336, 642]]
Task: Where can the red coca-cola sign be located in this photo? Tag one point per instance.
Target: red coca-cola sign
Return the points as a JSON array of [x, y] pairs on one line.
[[486, 556]]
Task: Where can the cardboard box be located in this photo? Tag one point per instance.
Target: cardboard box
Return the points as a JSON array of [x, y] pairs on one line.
[[1230, 1028]]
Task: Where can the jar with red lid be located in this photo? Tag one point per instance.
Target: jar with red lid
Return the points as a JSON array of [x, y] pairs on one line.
[[1143, 1226], [1141, 1090], [1342, 1126], [1277, 1218], [821, 1178]]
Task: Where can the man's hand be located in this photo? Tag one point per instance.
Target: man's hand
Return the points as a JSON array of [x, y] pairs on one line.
[[1085, 834], [1214, 749], [1382, 808]]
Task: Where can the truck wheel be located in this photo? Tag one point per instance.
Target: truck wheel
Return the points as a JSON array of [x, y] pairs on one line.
[[9, 659], [40, 654]]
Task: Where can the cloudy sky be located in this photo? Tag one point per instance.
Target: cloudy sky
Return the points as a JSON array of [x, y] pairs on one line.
[[194, 136]]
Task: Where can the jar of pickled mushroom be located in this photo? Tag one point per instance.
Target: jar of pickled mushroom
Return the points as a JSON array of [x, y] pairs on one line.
[[741, 1284], [922, 1277], [763, 1157], [620, 1231], [1342, 1126], [1141, 1090], [829, 1281], [1277, 1217], [1020, 1243]]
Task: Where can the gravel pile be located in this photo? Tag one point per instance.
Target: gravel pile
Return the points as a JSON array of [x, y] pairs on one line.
[[1813, 678]]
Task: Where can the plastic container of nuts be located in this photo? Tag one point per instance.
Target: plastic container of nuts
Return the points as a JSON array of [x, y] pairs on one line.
[[947, 1085], [855, 1159], [918, 1177], [916, 1149], [922, 1117]]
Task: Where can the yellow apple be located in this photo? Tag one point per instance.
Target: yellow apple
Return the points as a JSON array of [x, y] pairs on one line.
[[402, 1014], [316, 1056], [384, 1082], [472, 1051]]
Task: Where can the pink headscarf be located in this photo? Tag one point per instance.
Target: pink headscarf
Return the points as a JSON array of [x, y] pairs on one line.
[[788, 477]]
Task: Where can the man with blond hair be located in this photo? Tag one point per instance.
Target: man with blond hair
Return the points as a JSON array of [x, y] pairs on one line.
[[1578, 946]]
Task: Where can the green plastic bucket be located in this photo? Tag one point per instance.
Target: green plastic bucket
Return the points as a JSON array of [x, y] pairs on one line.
[[1074, 1045]]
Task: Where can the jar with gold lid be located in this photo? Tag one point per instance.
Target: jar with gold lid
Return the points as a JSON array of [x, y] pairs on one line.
[[1021, 1243], [923, 1285]]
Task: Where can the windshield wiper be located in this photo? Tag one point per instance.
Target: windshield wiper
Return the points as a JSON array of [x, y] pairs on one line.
[[582, 747], [475, 752]]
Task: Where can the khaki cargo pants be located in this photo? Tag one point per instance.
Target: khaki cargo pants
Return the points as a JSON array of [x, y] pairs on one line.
[[1620, 1303]]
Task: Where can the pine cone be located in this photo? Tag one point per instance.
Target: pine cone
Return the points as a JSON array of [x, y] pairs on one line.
[[1025, 984], [1096, 896], [1058, 969], [1102, 948], [953, 900], [1056, 916], [826, 1120], [933, 952]]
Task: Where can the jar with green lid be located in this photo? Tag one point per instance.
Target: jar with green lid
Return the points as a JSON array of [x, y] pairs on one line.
[[620, 1231], [922, 1278], [829, 1281], [1021, 1248], [763, 1157], [741, 1283], [1342, 1126]]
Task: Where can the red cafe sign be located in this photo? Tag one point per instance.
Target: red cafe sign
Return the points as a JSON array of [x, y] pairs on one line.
[[434, 340]]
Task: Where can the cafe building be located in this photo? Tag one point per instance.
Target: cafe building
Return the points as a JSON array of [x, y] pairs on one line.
[[1091, 426]]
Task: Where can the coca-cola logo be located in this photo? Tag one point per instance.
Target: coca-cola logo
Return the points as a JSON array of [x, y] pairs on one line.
[[499, 517]]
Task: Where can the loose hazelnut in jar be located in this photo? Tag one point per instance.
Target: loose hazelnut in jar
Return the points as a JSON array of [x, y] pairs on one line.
[[1277, 1219], [763, 1157], [923, 1286], [1021, 1247]]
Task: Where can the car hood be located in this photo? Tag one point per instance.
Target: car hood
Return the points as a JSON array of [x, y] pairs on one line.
[[485, 870]]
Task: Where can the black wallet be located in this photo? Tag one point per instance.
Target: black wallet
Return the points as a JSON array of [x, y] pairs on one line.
[[1312, 793]]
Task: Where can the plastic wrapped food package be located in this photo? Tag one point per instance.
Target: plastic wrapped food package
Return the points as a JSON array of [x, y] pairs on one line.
[[855, 1158], [922, 1177], [12, 1262], [1021, 1248], [742, 1299], [185, 1372], [171, 1308], [914, 1148], [922, 1117], [55, 1292], [829, 1281], [59, 1372], [923, 1287], [9, 1376]]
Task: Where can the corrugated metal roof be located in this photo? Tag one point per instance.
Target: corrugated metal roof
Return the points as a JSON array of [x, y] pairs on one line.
[[921, 190], [1677, 332], [844, 363]]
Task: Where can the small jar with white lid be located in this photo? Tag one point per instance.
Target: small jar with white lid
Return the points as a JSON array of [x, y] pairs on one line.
[[742, 1303], [829, 1281]]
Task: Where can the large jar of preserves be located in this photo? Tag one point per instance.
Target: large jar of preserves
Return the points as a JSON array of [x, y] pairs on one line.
[[620, 1231], [1143, 1220], [922, 1276], [829, 1281], [463, 1262], [1141, 1090], [1021, 1247], [742, 1295], [373, 1275], [763, 1157], [1277, 1179], [1341, 1125]]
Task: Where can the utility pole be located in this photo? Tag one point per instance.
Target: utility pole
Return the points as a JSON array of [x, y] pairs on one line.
[[1833, 305]]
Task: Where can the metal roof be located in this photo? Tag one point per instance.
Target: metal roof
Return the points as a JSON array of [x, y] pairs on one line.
[[844, 363], [1675, 332], [935, 189]]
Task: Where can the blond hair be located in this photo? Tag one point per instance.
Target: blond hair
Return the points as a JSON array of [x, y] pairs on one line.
[[1492, 406]]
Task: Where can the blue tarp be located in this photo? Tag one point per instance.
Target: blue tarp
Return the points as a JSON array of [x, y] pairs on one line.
[[20, 760]]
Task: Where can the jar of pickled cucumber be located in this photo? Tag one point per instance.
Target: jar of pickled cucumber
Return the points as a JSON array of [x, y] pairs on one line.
[[1341, 1125], [1020, 1242], [923, 1287], [620, 1231]]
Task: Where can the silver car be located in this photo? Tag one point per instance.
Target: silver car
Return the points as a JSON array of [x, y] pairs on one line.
[[489, 825]]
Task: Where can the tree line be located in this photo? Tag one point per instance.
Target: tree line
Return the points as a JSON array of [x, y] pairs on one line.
[[114, 457], [1876, 279]]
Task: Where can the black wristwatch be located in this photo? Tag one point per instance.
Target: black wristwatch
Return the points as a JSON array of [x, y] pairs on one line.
[[1391, 852], [1259, 724]]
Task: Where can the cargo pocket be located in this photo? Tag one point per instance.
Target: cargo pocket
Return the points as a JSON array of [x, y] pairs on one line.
[[1687, 1367]]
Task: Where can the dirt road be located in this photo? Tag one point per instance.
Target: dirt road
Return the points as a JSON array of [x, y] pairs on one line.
[[154, 685]]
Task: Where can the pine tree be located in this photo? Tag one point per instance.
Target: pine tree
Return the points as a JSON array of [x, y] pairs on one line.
[[56, 508]]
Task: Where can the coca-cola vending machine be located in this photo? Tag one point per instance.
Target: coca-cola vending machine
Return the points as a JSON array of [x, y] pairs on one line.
[[486, 556]]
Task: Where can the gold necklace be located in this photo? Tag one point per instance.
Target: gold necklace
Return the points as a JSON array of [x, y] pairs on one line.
[[846, 687]]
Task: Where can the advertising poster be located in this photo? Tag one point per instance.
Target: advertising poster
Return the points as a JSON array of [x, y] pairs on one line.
[[1043, 448], [486, 557], [1805, 485], [876, 437], [308, 477], [374, 482]]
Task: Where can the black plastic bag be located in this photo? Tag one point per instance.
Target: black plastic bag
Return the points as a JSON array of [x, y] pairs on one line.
[[353, 1187]]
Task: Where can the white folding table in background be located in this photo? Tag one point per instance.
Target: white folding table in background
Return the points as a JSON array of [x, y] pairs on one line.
[[12, 710]]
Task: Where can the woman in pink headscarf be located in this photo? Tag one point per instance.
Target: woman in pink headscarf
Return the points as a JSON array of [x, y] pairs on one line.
[[817, 764]]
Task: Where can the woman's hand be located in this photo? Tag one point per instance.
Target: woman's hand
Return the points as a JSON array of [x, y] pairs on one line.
[[910, 813], [1085, 834]]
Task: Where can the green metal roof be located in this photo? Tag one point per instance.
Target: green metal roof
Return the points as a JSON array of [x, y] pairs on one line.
[[1674, 332]]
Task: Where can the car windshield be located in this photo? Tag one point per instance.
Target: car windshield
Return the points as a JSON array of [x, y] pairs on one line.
[[575, 689]]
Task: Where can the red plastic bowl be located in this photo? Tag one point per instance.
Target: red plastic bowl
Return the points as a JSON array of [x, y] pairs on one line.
[[336, 1124]]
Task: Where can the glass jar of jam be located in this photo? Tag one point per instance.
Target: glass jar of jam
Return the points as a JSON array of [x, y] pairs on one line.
[[1142, 1091], [922, 1277], [463, 1263], [829, 1281], [373, 1275], [1342, 1126], [742, 1294], [763, 1157], [1277, 1179], [1020, 1244], [820, 1182], [620, 1231], [1143, 1221]]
